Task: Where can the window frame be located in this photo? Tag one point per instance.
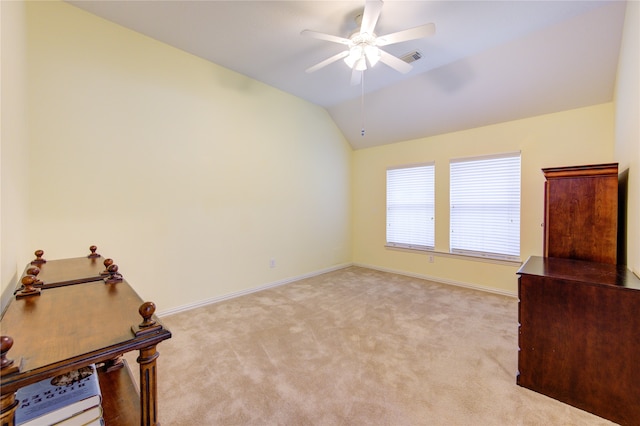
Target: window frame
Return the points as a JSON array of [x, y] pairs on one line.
[[429, 205], [476, 244]]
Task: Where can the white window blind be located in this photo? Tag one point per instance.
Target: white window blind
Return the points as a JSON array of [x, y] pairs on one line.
[[485, 206], [410, 206]]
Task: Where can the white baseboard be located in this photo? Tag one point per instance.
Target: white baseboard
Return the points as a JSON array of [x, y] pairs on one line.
[[441, 280], [217, 299], [229, 296]]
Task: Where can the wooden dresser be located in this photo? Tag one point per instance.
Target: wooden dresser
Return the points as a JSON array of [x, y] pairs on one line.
[[71, 313], [581, 212], [579, 335]]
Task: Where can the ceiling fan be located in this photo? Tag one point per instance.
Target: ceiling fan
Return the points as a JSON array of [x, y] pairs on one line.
[[363, 45]]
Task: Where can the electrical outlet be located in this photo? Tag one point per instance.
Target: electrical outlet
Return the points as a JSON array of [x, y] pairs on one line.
[[272, 263], [431, 258]]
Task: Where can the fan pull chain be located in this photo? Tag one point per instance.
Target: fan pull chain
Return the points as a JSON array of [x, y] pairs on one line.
[[362, 102]]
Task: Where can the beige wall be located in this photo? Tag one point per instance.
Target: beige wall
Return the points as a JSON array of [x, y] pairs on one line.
[[581, 136], [190, 176], [193, 177], [627, 107], [13, 146]]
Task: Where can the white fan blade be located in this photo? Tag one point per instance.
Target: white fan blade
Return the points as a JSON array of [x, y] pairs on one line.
[[372, 9], [406, 35], [395, 63], [327, 37], [356, 77], [328, 61]]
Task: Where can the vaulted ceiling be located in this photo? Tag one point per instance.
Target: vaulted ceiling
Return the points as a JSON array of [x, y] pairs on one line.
[[488, 62]]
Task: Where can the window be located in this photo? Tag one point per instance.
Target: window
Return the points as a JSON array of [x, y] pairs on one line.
[[410, 206], [485, 206]]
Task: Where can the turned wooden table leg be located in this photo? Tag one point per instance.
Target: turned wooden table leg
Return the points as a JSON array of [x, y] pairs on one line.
[[148, 386], [8, 402], [8, 406]]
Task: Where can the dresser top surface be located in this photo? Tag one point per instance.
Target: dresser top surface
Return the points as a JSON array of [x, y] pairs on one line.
[[580, 270]]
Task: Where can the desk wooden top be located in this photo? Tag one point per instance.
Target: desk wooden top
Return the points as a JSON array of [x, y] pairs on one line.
[[67, 327], [56, 273]]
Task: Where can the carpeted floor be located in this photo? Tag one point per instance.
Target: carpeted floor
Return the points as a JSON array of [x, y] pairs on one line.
[[352, 347]]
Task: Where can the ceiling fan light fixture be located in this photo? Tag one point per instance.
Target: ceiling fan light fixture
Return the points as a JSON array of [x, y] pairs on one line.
[[373, 54], [355, 53], [360, 54]]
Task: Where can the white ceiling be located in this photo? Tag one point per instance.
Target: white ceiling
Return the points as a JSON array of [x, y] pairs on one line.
[[489, 61]]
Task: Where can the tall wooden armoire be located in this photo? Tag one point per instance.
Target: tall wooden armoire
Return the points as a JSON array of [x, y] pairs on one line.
[[581, 212]]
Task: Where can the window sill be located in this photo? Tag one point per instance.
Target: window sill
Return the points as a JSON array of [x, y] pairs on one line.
[[433, 252]]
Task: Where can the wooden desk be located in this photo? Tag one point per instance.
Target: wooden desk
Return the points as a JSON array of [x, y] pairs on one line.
[[67, 327], [61, 272], [579, 335]]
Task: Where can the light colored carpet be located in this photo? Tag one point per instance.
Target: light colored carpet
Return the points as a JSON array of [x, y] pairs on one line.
[[352, 347]]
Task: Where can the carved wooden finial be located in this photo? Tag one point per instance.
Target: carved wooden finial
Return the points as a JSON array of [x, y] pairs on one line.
[[148, 325], [107, 262], [93, 254], [114, 275], [28, 288], [34, 270], [6, 343], [147, 310], [38, 260], [8, 366]]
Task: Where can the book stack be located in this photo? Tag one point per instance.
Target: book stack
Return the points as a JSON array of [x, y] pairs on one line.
[[71, 399]]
